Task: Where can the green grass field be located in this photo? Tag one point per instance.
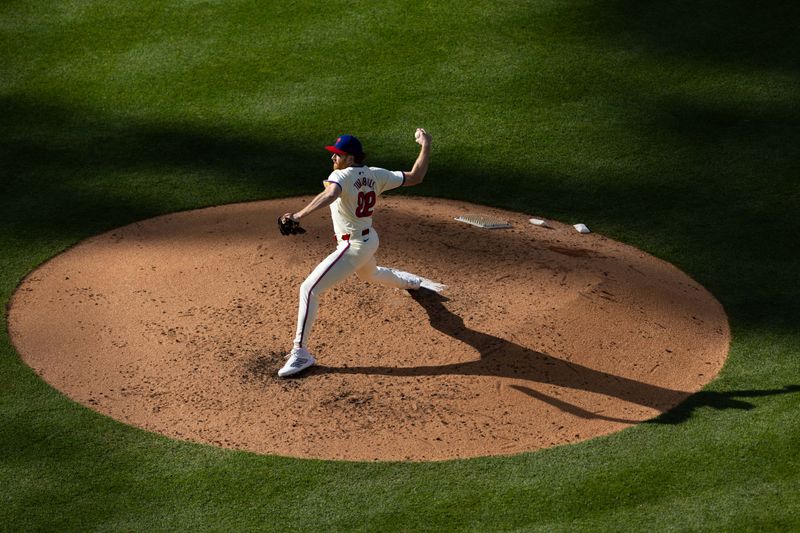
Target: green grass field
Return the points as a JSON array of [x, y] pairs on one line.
[[671, 126]]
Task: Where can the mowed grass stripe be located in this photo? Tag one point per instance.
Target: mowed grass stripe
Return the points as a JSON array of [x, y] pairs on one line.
[[672, 127]]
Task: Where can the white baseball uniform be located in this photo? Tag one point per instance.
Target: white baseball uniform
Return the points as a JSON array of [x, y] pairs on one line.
[[356, 239]]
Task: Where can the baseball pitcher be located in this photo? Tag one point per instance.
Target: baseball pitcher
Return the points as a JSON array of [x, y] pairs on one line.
[[352, 192]]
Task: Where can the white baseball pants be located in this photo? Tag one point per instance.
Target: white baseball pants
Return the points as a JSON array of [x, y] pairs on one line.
[[354, 255]]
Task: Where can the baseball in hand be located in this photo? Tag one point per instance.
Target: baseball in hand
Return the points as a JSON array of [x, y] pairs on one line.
[[419, 135]]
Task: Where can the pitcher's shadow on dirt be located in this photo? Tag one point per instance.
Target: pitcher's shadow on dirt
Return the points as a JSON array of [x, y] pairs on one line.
[[503, 358]]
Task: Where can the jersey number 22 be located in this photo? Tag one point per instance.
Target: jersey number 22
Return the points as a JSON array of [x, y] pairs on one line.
[[366, 203]]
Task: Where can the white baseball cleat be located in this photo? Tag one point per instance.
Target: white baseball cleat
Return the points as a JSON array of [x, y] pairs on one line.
[[425, 283], [299, 359]]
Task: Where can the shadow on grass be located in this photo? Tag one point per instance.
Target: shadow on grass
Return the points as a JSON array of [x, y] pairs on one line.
[[719, 401], [720, 203], [761, 35], [69, 172]]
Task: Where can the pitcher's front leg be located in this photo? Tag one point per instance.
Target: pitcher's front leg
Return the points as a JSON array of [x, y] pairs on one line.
[[328, 273]]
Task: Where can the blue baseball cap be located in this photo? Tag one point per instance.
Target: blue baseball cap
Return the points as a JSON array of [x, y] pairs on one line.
[[346, 144]]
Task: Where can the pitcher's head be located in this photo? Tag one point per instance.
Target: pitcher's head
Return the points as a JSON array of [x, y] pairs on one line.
[[347, 151]]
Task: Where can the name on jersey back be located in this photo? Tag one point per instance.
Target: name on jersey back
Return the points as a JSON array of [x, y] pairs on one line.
[[364, 182]]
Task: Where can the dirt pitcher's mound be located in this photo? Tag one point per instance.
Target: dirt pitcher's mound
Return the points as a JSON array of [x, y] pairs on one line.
[[179, 324]]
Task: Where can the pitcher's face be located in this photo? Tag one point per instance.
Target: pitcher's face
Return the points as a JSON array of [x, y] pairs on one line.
[[341, 162]]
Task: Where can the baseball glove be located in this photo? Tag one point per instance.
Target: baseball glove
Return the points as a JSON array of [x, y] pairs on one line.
[[289, 226]]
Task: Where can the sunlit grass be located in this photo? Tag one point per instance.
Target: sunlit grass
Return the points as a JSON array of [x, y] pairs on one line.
[[673, 127]]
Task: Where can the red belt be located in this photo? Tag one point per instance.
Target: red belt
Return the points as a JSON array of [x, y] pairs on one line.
[[347, 237]]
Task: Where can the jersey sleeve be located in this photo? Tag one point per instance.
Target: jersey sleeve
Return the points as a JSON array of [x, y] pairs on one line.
[[386, 180], [336, 177]]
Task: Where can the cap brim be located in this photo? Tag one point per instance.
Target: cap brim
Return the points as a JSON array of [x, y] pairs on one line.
[[335, 150]]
